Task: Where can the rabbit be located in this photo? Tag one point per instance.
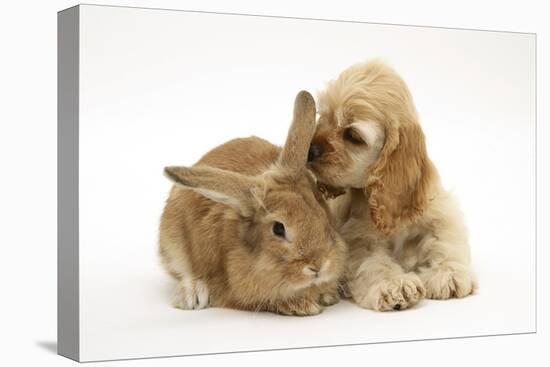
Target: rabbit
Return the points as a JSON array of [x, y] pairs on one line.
[[246, 227]]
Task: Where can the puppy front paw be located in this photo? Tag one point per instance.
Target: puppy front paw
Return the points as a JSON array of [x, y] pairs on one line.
[[394, 294], [191, 295], [448, 282]]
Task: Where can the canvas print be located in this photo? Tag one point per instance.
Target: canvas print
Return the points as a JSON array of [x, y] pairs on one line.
[[233, 183]]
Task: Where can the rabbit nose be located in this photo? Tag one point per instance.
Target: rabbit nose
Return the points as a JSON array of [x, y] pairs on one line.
[[315, 151], [314, 270]]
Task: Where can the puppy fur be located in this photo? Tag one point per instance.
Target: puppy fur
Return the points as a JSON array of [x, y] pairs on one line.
[[405, 233]]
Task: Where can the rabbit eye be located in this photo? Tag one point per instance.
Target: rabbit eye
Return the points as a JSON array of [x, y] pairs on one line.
[[352, 136], [279, 229]]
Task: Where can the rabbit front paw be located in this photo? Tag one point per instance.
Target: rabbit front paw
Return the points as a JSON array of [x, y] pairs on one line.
[[299, 307], [191, 295], [328, 299]]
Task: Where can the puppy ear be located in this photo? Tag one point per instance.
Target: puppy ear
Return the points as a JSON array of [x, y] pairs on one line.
[[294, 154], [226, 187], [399, 182]]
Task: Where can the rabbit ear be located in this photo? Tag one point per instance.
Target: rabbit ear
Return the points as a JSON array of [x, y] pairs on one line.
[[226, 187], [294, 154]]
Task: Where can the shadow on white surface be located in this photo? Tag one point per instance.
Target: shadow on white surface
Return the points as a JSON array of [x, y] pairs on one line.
[[50, 346]]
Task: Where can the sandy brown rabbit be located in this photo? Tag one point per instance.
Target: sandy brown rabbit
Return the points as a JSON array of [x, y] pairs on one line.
[[246, 228]]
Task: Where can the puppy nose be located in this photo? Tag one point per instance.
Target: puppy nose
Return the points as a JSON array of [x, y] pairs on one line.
[[315, 151], [315, 270]]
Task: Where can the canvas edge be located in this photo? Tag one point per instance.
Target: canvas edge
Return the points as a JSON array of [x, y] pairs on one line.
[[68, 330], [68, 123]]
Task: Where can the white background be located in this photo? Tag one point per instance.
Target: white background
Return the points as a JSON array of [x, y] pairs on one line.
[[30, 269]]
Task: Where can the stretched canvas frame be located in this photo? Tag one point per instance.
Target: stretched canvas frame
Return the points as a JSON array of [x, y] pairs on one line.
[[76, 27]]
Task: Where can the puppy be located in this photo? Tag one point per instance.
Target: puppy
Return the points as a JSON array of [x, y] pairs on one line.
[[406, 233]]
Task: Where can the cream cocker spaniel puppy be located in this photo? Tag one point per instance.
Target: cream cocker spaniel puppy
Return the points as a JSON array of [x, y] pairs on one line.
[[406, 234]]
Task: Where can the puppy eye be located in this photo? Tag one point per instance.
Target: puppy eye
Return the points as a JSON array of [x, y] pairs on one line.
[[352, 136], [279, 229]]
